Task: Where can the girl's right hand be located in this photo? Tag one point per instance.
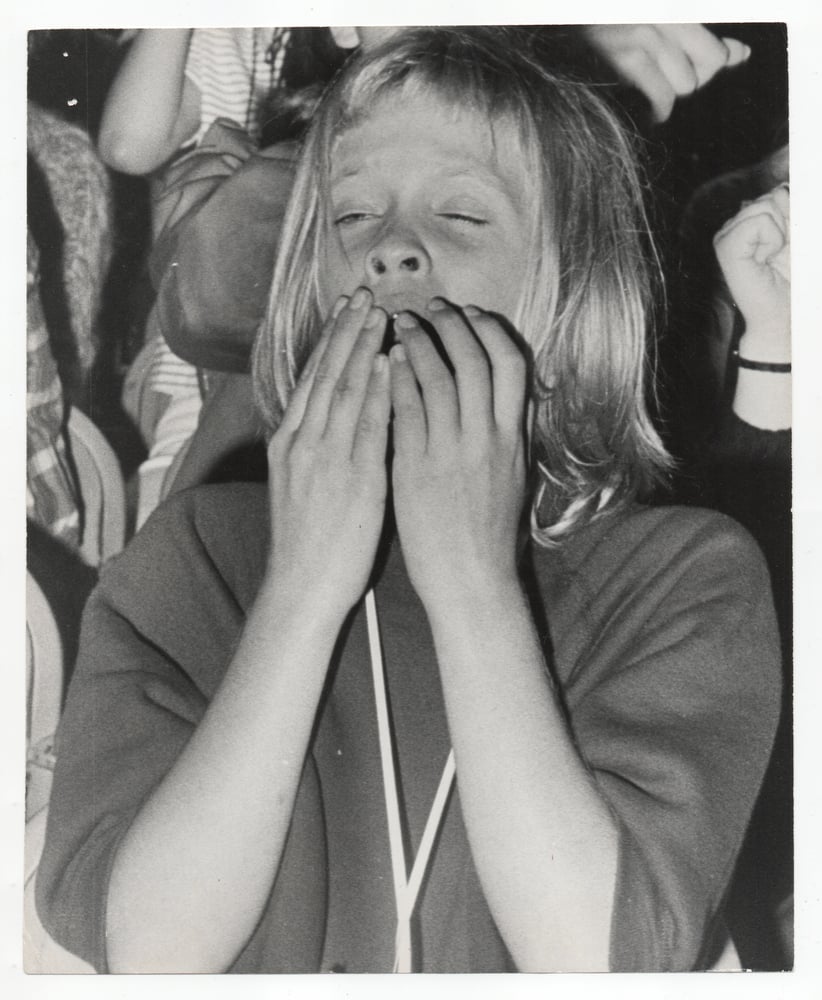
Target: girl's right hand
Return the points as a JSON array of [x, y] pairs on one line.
[[327, 466]]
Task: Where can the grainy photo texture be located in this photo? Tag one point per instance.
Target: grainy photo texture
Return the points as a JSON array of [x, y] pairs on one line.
[[409, 540]]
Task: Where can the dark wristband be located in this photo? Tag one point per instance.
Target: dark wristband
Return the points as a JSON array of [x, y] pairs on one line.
[[782, 368]]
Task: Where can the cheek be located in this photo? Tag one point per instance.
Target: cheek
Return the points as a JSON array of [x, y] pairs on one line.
[[493, 282], [513, 263], [335, 274]]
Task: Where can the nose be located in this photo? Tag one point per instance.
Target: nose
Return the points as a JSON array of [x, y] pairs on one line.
[[397, 254]]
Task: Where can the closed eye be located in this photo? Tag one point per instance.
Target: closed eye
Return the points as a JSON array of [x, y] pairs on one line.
[[349, 218], [473, 220]]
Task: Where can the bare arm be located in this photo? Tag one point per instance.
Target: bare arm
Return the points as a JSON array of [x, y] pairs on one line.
[[753, 250], [152, 108], [208, 840], [541, 835]]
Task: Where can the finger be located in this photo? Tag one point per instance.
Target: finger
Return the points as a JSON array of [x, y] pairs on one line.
[[633, 51], [353, 383], [781, 263], [776, 202], [738, 51], [371, 438], [296, 405], [410, 432], [343, 336], [756, 238], [641, 71], [471, 370], [508, 369], [781, 197], [705, 53], [766, 205], [675, 59], [436, 383]]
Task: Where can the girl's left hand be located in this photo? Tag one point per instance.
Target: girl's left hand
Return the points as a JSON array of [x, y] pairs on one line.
[[459, 456]]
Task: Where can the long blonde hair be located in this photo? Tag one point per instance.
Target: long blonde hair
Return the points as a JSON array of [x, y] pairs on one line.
[[586, 306]]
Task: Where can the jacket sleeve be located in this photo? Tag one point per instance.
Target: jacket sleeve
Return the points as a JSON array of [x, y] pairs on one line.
[[675, 713], [221, 213]]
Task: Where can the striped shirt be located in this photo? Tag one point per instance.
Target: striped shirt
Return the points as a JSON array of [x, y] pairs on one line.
[[232, 69]]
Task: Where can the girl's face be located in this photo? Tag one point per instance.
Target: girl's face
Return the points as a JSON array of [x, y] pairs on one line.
[[425, 201]]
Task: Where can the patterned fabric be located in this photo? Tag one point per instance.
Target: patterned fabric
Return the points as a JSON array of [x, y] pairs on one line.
[[80, 190], [51, 493]]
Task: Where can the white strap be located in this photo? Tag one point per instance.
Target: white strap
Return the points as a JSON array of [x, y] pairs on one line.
[[406, 890]]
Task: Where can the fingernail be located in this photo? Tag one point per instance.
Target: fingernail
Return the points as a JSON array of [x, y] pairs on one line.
[[339, 305], [359, 298], [374, 318], [397, 353], [472, 311], [405, 321], [380, 364], [435, 305]]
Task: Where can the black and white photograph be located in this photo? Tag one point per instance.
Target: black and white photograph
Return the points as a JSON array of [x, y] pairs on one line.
[[410, 499]]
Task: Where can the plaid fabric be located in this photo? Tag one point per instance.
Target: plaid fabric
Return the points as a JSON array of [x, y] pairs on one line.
[[51, 494]]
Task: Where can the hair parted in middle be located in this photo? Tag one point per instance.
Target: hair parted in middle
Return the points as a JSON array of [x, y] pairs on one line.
[[587, 303]]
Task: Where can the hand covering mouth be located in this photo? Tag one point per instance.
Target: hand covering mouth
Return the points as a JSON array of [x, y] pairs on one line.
[[397, 302]]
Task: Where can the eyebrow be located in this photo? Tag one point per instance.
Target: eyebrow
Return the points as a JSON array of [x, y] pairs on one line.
[[484, 178]]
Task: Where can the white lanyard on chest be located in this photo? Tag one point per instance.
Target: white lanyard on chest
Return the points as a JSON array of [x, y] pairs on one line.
[[406, 889]]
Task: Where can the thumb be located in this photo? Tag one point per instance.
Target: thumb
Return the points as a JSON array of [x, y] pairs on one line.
[[738, 52]]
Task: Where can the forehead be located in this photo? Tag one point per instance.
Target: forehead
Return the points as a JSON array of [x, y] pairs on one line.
[[416, 132]]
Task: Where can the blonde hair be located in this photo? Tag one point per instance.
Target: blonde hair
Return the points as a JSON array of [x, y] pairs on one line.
[[587, 303]]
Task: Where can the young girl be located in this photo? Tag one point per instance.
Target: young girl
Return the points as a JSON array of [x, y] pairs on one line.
[[256, 765]]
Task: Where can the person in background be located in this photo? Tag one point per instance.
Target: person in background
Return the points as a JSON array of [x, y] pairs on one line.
[[727, 401], [749, 472]]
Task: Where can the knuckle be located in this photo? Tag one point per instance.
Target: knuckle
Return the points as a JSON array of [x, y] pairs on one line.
[[369, 426], [689, 82], [323, 373], [344, 388]]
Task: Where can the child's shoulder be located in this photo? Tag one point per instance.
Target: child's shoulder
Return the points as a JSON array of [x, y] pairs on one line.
[[657, 547], [667, 531], [636, 582], [213, 512], [217, 530]]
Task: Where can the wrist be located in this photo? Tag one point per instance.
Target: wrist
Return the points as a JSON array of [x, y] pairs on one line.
[[763, 399], [292, 603], [769, 345], [473, 601]]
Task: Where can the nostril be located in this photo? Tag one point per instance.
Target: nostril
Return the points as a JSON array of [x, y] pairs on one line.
[[378, 265], [410, 263]]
